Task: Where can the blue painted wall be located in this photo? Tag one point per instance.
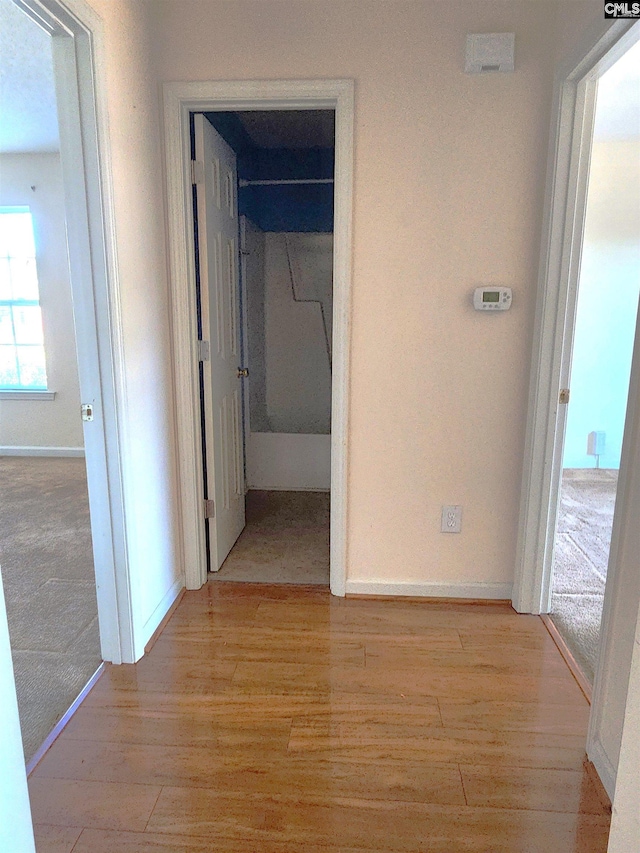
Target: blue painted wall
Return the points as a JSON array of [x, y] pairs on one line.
[[297, 208], [609, 272], [603, 346], [293, 208]]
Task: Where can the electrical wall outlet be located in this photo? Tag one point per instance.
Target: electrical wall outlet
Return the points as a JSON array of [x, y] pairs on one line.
[[451, 519]]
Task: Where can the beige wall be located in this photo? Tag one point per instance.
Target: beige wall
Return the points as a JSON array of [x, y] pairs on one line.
[[577, 20], [149, 452], [449, 175], [35, 180]]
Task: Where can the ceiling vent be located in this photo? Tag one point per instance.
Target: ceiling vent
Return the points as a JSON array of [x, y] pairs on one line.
[[489, 52]]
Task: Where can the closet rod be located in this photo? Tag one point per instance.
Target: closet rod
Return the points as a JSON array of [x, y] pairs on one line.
[[244, 183]]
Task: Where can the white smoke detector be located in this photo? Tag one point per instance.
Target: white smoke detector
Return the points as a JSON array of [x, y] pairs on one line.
[[490, 52]]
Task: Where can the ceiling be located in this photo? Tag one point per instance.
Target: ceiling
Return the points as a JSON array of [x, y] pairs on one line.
[[27, 94], [289, 128]]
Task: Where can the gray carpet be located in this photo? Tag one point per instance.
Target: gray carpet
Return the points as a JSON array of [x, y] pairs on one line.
[[580, 563], [47, 569], [286, 540]]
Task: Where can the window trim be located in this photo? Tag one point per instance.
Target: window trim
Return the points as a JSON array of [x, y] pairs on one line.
[[27, 394], [28, 303]]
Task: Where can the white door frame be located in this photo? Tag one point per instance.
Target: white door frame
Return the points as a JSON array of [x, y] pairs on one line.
[[565, 206], [244, 354], [78, 50], [179, 100]]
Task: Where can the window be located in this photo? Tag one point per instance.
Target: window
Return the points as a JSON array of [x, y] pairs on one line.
[[22, 360]]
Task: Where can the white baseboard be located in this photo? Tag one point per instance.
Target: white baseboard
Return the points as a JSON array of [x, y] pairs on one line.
[[41, 451], [288, 488], [428, 589], [62, 722], [605, 769], [158, 615]]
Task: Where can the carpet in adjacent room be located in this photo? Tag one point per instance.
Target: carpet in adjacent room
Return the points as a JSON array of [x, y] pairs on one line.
[[46, 561], [587, 500]]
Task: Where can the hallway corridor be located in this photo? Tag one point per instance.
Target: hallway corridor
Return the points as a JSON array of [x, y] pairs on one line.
[[279, 719]]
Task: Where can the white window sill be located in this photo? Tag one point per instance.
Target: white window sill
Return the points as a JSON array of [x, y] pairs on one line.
[[15, 394]]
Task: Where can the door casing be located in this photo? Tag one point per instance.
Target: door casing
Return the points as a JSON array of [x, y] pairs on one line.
[[78, 50], [180, 99], [565, 205], [567, 177]]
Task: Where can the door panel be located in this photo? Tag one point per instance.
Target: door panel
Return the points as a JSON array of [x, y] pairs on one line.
[[218, 246]]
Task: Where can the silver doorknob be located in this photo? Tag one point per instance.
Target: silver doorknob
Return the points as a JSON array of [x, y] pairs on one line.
[[243, 372]]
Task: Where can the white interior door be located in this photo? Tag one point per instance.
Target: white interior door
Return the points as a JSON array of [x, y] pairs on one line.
[[245, 253], [216, 184]]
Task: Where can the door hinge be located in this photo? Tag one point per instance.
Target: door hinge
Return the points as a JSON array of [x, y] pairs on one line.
[[87, 411], [243, 372], [565, 393], [204, 351], [197, 172], [209, 508]]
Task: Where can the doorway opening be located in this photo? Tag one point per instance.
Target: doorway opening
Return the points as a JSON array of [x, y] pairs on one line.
[[600, 342], [47, 553], [263, 216], [574, 113], [64, 566], [180, 101]]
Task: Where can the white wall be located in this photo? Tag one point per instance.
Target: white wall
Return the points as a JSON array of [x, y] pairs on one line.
[[289, 444], [298, 369], [35, 180], [279, 461], [311, 256], [254, 295]]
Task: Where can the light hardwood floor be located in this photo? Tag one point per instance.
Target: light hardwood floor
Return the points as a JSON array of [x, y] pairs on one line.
[[277, 719]]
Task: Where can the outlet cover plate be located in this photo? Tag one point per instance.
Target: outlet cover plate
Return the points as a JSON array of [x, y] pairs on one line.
[[451, 519]]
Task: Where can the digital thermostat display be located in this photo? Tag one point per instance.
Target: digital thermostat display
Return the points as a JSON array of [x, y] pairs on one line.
[[492, 298]]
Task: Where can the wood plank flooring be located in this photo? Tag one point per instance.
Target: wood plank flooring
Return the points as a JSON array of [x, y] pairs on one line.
[[277, 719]]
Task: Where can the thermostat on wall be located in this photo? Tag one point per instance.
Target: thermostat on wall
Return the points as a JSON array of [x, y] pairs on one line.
[[492, 298]]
